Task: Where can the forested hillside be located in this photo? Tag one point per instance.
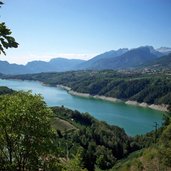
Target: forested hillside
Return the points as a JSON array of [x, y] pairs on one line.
[[5, 90], [152, 88], [157, 156], [102, 145], [41, 142]]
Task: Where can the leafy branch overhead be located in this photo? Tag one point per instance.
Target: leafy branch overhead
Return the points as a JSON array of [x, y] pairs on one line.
[[6, 40], [1, 3]]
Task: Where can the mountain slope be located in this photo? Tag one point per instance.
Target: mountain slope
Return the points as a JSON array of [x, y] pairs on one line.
[[156, 156], [119, 59], [97, 61], [134, 58], [127, 59], [163, 62]]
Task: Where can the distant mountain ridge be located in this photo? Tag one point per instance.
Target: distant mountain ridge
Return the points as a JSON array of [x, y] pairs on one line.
[[122, 59], [54, 65], [7, 68], [114, 59]]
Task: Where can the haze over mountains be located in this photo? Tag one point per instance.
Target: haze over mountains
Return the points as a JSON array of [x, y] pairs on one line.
[[114, 59], [56, 64]]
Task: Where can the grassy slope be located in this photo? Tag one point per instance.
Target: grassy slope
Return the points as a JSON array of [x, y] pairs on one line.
[[62, 125], [145, 160]]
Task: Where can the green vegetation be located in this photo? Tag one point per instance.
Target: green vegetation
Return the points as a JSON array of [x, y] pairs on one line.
[[6, 40], [35, 137], [102, 145], [148, 88], [62, 125], [33, 143], [5, 90], [157, 156], [27, 140]]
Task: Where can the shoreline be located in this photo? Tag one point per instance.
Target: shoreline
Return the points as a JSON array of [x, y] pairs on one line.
[[162, 107]]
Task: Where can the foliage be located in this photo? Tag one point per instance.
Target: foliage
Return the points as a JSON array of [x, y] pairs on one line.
[[33, 144], [27, 140], [154, 156], [165, 148], [74, 164], [5, 90], [6, 40], [1, 3], [102, 144]]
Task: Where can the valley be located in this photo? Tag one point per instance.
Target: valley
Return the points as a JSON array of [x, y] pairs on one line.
[[85, 85], [135, 120]]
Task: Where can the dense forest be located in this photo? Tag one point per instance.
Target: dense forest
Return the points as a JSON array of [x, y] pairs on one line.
[[153, 88], [102, 145], [105, 147], [157, 156]]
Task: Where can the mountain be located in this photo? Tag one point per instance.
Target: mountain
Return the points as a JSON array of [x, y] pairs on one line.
[[97, 61], [163, 62], [114, 59], [54, 65], [164, 50], [7, 68], [122, 59]]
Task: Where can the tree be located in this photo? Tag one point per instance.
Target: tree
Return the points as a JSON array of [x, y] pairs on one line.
[[6, 40], [74, 164], [27, 140], [105, 158], [165, 147]]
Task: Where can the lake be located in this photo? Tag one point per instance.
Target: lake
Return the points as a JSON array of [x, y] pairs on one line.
[[135, 120]]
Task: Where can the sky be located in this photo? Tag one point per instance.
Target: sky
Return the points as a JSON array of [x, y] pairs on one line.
[[83, 28]]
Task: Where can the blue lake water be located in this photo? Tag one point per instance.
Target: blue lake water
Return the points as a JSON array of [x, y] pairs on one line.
[[135, 120]]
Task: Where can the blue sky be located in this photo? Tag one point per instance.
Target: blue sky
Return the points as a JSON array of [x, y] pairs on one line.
[[84, 28]]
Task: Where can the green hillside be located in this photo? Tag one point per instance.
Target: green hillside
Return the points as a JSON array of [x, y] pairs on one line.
[[62, 125], [5, 90], [151, 88], [102, 145], [155, 157]]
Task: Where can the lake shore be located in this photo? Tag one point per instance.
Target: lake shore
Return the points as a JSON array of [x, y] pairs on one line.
[[161, 107]]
